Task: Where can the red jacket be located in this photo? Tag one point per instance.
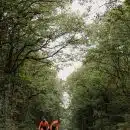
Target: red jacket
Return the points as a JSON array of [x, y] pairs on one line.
[[55, 123], [43, 124]]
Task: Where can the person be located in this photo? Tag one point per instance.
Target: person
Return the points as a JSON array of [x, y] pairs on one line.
[[43, 124], [55, 125]]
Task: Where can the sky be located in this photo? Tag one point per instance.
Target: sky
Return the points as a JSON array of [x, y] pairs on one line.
[[63, 74]]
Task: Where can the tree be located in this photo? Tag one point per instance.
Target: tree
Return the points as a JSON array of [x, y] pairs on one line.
[[28, 29], [100, 88]]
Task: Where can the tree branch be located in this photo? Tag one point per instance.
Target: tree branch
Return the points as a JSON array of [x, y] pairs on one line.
[[36, 94]]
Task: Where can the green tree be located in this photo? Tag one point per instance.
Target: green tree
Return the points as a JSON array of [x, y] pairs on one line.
[[28, 29], [100, 88]]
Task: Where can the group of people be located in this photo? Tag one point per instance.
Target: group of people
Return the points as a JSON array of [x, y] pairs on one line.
[[44, 125]]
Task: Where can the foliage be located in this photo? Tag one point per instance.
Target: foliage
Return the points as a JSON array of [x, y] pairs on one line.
[[28, 84], [100, 88]]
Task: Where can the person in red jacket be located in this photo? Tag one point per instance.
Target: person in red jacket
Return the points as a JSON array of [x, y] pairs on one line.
[[55, 125], [43, 124]]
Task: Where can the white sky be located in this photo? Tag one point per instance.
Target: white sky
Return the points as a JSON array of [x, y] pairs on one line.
[[63, 74]]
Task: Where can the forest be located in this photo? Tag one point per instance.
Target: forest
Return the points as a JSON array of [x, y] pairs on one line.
[[33, 35]]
